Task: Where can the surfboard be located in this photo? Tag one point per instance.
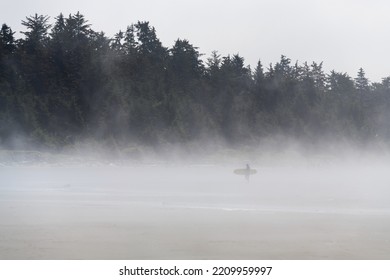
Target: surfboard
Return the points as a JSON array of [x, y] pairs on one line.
[[245, 171]]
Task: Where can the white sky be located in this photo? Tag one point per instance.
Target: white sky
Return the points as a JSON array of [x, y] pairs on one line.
[[345, 34]]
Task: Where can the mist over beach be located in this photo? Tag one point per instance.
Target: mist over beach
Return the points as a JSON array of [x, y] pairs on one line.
[[122, 147], [293, 208]]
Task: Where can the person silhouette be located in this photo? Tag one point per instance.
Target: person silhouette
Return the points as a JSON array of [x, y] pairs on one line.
[[247, 172]]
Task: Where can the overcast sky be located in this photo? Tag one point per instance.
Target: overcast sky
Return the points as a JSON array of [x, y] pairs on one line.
[[344, 34]]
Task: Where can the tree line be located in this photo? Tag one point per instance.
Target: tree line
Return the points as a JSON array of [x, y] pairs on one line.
[[64, 82]]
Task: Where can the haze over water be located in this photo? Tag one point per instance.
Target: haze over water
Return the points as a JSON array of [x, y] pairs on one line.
[[194, 211]]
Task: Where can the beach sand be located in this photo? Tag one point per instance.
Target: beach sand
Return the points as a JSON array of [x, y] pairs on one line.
[[125, 213]]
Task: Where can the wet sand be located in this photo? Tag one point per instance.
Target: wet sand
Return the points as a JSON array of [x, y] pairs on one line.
[[157, 213]]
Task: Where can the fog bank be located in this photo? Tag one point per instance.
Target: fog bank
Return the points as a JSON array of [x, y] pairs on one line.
[[158, 210]]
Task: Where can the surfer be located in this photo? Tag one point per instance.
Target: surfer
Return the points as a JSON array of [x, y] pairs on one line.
[[247, 172]]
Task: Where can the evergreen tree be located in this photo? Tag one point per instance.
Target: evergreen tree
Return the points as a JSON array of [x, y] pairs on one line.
[[7, 40], [259, 74], [361, 82], [185, 61], [37, 29]]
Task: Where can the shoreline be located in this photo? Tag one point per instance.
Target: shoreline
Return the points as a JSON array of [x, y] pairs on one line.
[[158, 233]]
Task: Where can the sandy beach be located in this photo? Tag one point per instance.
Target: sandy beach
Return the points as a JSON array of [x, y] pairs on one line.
[[192, 212]]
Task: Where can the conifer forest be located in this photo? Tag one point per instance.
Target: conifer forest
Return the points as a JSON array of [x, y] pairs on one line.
[[62, 82]]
